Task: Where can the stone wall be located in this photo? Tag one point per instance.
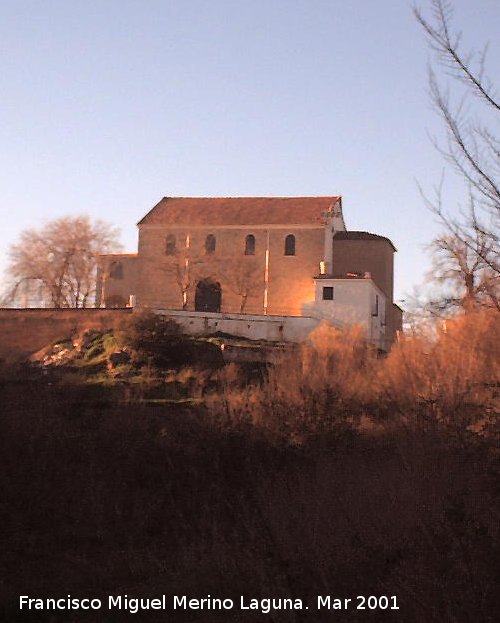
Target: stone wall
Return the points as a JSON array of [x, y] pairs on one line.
[[290, 277], [25, 331], [360, 256], [114, 287]]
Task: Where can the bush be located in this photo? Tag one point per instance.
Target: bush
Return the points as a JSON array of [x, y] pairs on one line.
[[159, 341], [337, 381]]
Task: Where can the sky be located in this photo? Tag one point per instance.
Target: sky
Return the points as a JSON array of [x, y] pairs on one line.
[[107, 106]]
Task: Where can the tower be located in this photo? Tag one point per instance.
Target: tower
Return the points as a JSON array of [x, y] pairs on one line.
[[334, 223]]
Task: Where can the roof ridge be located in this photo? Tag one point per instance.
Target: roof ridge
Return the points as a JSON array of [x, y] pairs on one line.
[[248, 210], [291, 197]]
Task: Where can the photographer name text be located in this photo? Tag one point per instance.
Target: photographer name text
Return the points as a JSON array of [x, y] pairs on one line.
[[265, 605]]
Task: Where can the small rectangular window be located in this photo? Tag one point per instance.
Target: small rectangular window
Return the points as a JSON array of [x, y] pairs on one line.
[[375, 307], [328, 293]]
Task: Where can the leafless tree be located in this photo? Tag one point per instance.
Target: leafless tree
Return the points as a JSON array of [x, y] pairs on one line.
[[186, 266], [470, 116], [180, 269], [466, 279], [56, 265], [244, 278]]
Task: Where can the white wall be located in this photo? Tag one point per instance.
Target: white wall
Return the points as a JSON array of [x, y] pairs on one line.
[[251, 326], [353, 303]]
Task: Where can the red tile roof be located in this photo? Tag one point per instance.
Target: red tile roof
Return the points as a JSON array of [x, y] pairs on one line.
[[219, 211]]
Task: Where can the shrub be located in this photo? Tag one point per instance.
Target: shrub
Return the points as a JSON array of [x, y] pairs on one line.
[[337, 380], [449, 379], [159, 341]]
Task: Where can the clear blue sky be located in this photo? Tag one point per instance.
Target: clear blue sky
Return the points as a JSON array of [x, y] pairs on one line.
[[109, 105]]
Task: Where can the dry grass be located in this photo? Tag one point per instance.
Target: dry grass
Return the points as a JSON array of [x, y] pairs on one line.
[[270, 489], [452, 380], [337, 380]]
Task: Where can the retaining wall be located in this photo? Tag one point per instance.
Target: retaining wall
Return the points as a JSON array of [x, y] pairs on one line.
[[252, 326], [25, 331]]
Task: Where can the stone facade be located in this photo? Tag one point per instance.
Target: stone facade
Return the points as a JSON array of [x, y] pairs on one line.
[[117, 280], [256, 255], [163, 279]]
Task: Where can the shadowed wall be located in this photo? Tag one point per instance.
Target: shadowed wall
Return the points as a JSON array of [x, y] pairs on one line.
[[25, 331]]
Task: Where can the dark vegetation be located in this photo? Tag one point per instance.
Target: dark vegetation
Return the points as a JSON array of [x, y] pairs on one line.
[[337, 473]]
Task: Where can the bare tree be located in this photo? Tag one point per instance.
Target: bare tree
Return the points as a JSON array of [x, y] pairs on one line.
[[244, 278], [186, 266], [471, 147], [180, 269], [466, 279], [56, 265]]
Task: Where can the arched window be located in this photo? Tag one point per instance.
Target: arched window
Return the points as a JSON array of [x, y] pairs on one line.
[[250, 245], [116, 270], [290, 245], [170, 244], [210, 244]]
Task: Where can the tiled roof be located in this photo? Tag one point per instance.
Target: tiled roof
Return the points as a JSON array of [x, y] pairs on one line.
[[220, 211], [360, 235]]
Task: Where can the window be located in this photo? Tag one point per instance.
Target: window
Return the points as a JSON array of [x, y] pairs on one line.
[[250, 245], [210, 244], [328, 293], [375, 308], [116, 270], [170, 244], [290, 245]]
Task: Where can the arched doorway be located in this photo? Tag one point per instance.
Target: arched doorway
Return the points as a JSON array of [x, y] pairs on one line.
[[208, 296]]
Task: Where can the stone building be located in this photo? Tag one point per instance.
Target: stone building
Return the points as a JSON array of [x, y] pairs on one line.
[[271, 256]]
